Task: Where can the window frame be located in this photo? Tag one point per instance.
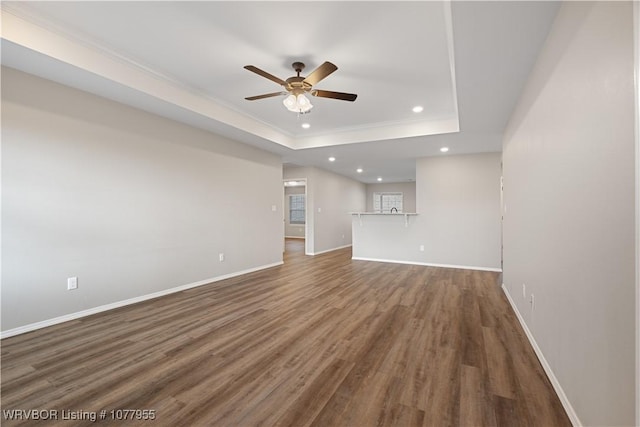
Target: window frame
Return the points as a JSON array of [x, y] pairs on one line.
[[378, 201], [303, 210]]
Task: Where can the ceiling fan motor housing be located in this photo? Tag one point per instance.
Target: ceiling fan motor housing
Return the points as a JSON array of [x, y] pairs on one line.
[[297, 85]]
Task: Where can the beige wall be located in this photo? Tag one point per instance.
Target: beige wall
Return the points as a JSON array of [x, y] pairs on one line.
[[569, 227], [130, 203]]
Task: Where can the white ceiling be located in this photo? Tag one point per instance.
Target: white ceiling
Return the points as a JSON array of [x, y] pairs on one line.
[[464, 62]]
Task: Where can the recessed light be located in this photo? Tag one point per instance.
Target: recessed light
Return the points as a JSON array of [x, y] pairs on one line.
[[359, 170], [332, 159], [306, 126], [418, 109], [379, 178], [444, 149]]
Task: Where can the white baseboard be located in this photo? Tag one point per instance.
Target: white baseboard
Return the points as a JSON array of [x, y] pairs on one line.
[[73, 316], [545, 365], [328, 250], [427, 264]]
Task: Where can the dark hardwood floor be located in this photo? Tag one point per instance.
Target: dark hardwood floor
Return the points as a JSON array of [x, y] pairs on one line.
[[323, 341]]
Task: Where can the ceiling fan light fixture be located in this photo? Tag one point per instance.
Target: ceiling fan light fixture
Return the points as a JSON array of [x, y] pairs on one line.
[[290, 102], [297, 104]]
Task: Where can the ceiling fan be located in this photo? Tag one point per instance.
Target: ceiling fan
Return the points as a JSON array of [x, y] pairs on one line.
[[297, 86]]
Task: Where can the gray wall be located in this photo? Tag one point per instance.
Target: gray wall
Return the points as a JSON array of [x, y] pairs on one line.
[[459, 206], [569, 209], [458, 221], [330, 198], [408, 190], [292, 230], [130, 203]]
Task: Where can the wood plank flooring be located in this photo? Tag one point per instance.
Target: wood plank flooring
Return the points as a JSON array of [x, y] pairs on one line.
[[319, 341]]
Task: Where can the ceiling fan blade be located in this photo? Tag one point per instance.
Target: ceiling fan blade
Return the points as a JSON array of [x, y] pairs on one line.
[[320, 73], [266, 95], [265, 74], [335, 95]]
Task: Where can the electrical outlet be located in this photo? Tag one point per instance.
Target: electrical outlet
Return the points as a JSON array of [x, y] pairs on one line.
[[532, 302], [524, 291], [72, 283], [221, 256], [421, 248]]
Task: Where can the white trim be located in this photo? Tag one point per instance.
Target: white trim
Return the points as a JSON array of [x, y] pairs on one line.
[[571, 413], [73, 316], [328, 250], [78, 52], [429, 264]]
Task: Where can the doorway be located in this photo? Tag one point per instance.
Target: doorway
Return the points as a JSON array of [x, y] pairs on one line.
[[295, 215]]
